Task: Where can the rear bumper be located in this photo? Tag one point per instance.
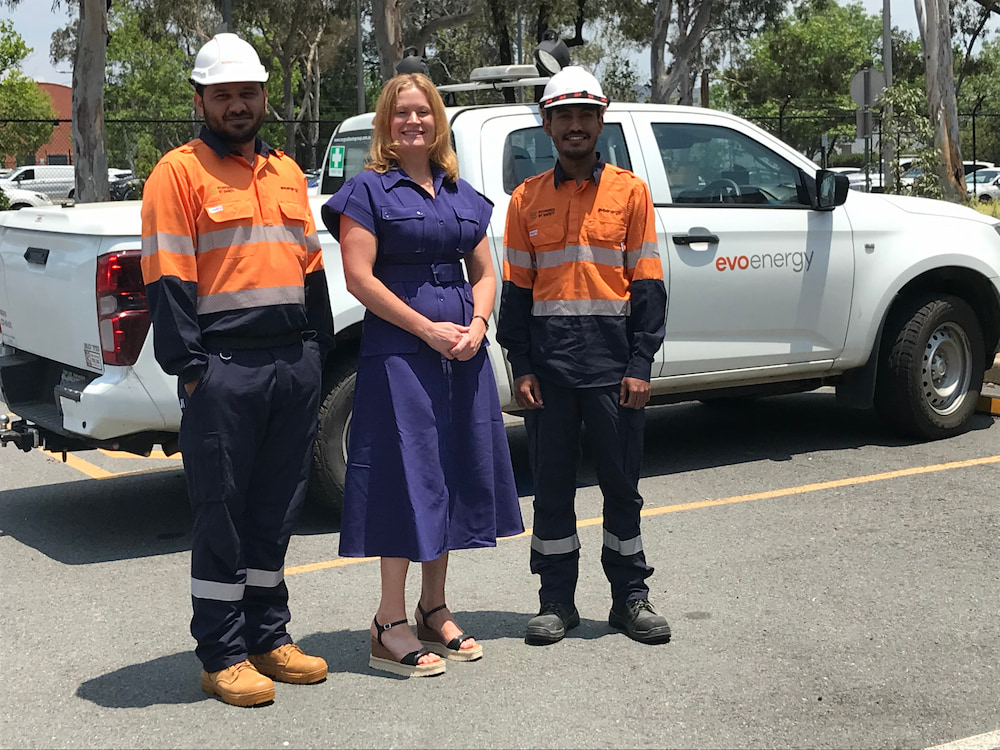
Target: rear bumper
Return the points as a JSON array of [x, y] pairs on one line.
[[73, 409]]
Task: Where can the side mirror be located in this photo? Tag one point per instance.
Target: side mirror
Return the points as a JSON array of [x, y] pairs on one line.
[[831, 190]]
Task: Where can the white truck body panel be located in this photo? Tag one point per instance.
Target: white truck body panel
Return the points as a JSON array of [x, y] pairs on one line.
[[782, 293]]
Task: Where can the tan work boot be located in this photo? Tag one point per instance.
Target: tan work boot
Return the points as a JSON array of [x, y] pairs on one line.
[[239, 685], [288, 664]]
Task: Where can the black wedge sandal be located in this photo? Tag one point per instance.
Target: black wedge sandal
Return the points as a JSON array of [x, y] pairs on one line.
[[434, 641], [383, 659]]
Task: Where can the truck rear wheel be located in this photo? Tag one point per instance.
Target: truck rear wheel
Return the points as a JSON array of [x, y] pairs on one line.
[[329, 466], [929, 382]]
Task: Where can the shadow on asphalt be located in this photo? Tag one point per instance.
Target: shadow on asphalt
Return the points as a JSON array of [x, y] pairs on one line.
[[147, 514], [173, 679]]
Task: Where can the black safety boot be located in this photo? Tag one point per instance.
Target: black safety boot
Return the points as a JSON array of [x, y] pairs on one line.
[[640, 622], [551, 623]]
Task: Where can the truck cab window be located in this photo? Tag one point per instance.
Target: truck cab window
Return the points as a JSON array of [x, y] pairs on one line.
[[711, 165]]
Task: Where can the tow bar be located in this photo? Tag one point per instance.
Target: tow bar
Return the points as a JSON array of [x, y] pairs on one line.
[[18, 433]]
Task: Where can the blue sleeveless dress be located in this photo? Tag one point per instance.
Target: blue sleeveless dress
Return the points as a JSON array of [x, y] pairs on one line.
[[428, 467]]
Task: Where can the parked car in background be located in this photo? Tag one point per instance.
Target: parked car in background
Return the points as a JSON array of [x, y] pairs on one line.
[[18, 198], [55, 180], [128, 188], [970, 167], [984, 184]]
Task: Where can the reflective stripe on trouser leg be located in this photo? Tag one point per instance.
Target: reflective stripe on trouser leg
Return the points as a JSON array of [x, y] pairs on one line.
[[244, 496], [554, 449], [616, 434]]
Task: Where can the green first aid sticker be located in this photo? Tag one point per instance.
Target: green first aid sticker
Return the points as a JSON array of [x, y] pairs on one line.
[[336, 166]]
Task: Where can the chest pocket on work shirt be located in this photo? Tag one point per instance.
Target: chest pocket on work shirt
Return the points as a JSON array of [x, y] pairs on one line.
[[468, 228], [549, 244], [610, 234], [228, 226], [402, 229], [293, 230]]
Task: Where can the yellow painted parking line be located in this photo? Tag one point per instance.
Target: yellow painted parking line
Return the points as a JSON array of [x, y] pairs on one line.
[[158, 454], [84, 467], [767, 495]]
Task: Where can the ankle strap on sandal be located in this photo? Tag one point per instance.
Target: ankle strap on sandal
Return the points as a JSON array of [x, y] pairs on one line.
[[425, 615], [380, 628]]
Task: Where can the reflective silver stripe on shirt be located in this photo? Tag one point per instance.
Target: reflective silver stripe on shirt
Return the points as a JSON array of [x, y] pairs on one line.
[[170, 243], [249, 235], [265, 579], [625, 548], [250, 298], [580, 254], [312, 243], [220, 592], [518, 258], [617, 307], [555, 546], [646, 250]]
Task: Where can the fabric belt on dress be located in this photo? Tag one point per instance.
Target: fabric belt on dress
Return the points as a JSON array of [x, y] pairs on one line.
[[220, 341], [439, 273]]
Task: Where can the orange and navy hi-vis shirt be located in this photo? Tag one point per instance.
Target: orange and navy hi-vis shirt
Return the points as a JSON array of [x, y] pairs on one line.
[[583, 300], [229, 249]]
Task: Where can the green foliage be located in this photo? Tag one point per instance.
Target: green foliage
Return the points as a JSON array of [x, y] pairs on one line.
[[4, 202], [20, 99], [911, 133], [981, 93], [146, 80], [799, 71], [991, 208]]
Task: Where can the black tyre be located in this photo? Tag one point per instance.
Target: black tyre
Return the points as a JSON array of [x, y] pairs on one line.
[[329, 466], [932, 369]]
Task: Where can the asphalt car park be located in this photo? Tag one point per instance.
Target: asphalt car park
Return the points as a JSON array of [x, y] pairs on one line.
[[829, 586]]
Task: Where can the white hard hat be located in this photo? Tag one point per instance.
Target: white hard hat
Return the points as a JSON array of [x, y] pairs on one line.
[[225, 58], [572, 85]]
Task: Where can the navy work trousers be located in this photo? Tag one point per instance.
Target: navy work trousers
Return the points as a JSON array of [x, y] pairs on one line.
[[246, 437], [616, 435]]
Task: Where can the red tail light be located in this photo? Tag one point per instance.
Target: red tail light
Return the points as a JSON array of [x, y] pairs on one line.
[[122, 310]]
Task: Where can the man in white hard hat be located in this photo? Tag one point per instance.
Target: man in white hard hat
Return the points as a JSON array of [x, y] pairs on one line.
[[582, 317], [241, 315]]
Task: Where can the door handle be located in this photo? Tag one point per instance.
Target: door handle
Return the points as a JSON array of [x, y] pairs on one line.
[[689, 239]]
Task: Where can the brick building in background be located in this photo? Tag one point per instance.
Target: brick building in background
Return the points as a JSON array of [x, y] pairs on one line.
[[59, 149]]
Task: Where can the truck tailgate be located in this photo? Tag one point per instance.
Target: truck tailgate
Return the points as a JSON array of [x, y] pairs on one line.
[[48, 303]]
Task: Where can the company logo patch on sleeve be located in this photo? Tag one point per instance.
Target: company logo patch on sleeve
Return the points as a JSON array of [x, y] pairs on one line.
[[214, 209]]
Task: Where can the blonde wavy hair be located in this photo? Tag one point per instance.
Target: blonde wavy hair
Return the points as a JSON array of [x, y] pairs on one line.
[[382, 155]]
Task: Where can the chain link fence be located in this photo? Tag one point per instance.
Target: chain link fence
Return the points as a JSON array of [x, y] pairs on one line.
[[38, 155]]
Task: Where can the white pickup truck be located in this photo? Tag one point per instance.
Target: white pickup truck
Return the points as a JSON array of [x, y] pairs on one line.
[[779, 280]]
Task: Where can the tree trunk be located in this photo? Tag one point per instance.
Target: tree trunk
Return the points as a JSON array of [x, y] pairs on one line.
[[658, 49], [935, 29], [387, 18], [89, 155], [685, 50]]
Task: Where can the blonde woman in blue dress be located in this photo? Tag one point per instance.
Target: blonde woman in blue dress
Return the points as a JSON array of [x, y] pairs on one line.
[[428, 463]]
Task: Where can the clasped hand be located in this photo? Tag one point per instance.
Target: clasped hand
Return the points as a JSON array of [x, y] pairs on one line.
[[452, 340]]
